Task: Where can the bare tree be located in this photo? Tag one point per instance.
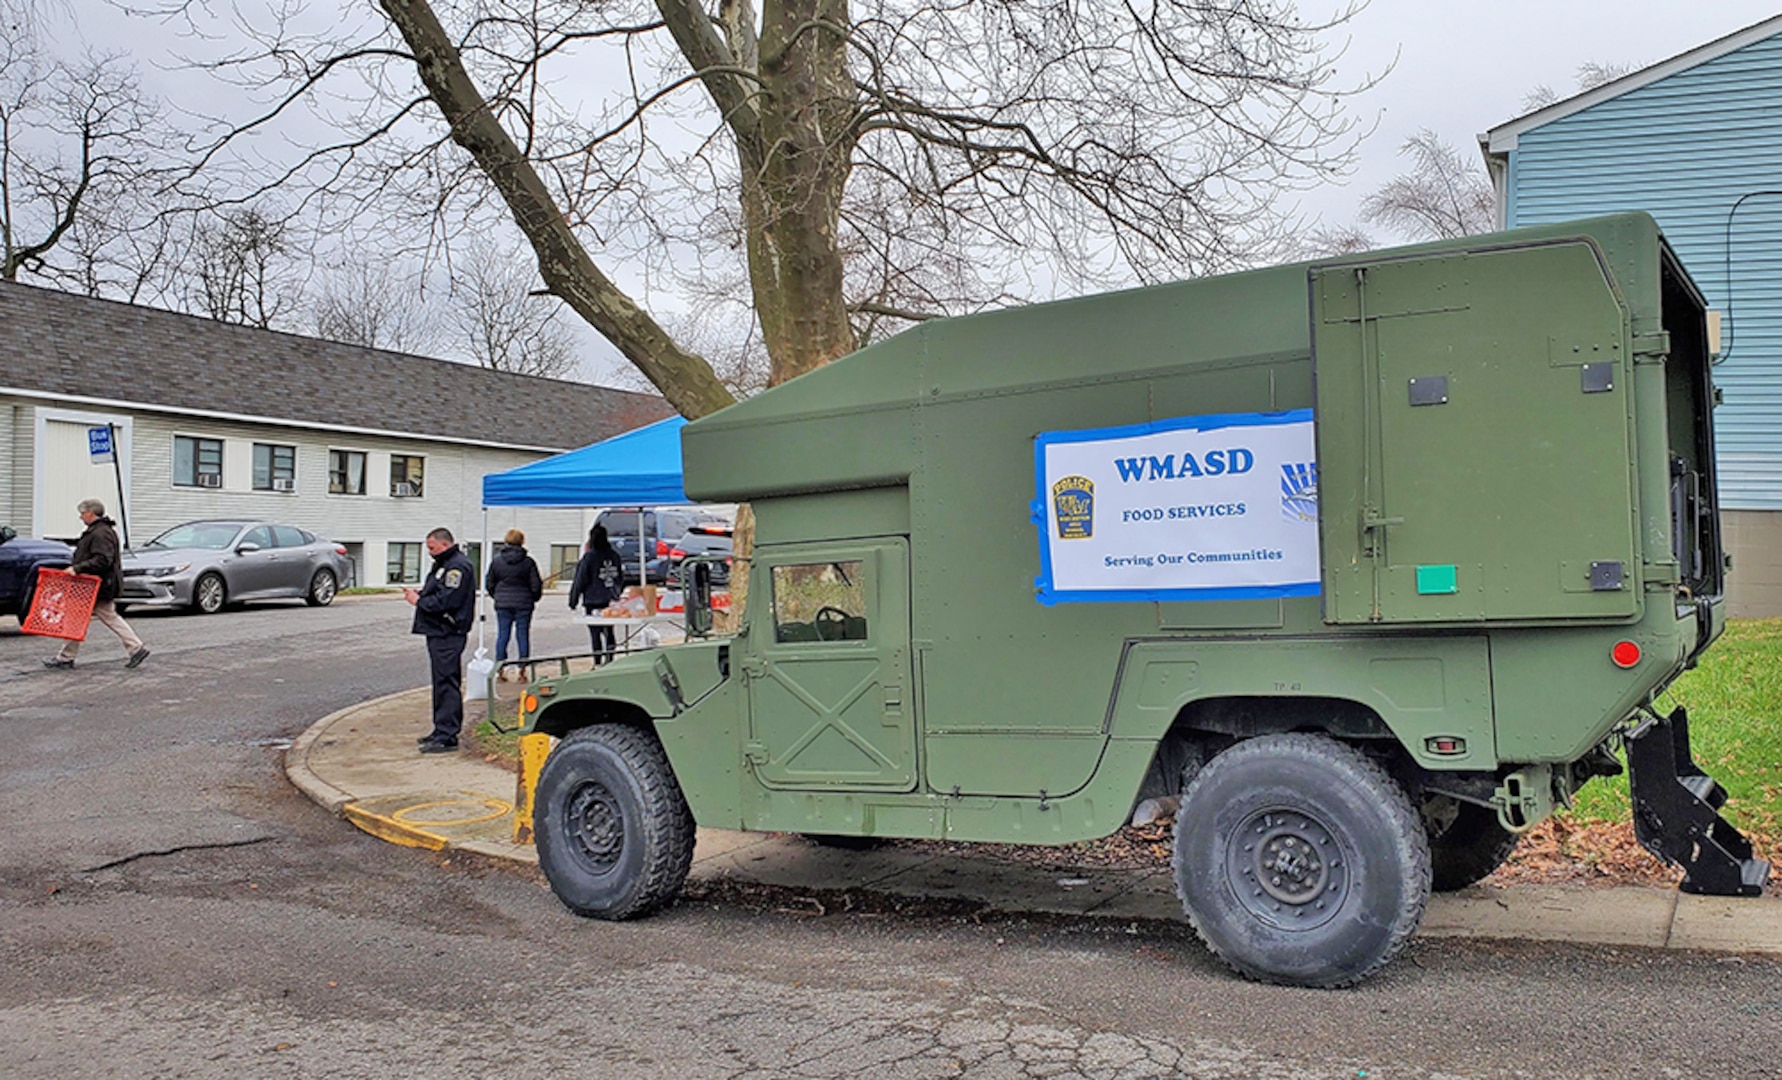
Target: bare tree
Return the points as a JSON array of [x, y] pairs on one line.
[[861, 167], [1327, 242], [242, 269], [1590, 75], [502, 324], [77, 149], [1442, 197], [370, 306], [1001, 149]]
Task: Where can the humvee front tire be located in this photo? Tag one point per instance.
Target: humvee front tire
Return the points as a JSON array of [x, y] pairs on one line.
[[1300, 861], [1466, 843], [614, 834]]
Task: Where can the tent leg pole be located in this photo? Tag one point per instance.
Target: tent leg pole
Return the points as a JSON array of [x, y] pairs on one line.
[[482, 595]]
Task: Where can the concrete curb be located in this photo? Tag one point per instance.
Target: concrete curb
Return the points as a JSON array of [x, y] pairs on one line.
[[453, 802], [297, 768]]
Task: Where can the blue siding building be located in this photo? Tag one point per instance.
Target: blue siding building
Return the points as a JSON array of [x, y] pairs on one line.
[[1696, 141]]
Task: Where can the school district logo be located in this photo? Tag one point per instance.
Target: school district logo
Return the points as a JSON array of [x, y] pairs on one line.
[[1073, 504], [1299, 491]]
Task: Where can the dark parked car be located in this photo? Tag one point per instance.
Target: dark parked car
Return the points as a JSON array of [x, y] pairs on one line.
[[660, 529], [712, 540], [207, 564], [20, 558]]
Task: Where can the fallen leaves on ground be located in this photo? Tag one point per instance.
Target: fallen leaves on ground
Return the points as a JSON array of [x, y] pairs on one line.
[[1558, 851]]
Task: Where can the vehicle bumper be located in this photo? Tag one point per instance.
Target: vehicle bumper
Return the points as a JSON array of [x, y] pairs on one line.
[[156, 592]]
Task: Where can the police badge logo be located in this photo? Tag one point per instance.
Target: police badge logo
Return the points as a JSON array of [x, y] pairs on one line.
[[1299, 491], [453, 577], [1073, 505]]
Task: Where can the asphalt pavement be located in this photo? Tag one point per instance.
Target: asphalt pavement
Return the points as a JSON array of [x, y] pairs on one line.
[[361, 763], [176, 907]]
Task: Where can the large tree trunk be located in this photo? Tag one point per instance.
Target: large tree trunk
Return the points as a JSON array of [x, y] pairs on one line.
[[684, 379], [792, 197], [793, 174]]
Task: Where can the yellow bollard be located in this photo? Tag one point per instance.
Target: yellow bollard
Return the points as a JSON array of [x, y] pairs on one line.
[[534, 748]]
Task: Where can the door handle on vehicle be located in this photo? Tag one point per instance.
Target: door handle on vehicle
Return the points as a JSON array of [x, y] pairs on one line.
[[893, 703], [753, 666]]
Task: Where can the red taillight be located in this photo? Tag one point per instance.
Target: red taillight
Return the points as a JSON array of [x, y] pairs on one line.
[[339, 549], [661, 547], [1625, 654], [676, 553]]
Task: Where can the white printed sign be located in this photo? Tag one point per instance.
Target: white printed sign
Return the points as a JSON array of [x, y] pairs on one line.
[[1195, 508]]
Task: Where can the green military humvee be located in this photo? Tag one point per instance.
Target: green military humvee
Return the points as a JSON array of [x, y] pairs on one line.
[[1372, 562]]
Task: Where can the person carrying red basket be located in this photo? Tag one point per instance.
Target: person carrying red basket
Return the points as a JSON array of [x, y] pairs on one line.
[[96, 553]]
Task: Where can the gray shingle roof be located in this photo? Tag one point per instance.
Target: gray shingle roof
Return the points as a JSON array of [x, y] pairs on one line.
[[58, 343]]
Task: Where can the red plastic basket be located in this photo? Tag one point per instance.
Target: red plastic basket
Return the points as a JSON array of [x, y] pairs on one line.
[[62, 605]]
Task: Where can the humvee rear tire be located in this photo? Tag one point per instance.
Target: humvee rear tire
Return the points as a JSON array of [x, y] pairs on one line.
[[614, 834], [1468, 847], [1300, 861]]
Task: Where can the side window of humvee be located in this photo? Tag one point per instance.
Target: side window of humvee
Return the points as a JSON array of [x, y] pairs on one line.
[[820, 601]]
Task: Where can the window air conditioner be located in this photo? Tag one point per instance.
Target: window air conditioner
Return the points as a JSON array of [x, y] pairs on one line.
[[402, 491], [210, 479], [283, 483]]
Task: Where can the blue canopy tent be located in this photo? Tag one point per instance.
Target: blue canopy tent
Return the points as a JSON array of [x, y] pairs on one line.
[[638, 468]]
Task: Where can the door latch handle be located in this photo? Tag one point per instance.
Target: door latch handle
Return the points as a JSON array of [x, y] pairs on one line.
[[753, 666]]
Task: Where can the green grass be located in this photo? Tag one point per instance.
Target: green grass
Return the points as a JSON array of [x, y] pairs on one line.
[[1734, 698], [503, 745], [362, 590]]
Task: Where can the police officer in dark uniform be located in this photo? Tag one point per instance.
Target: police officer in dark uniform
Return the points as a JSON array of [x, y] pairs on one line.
[[445, 607]]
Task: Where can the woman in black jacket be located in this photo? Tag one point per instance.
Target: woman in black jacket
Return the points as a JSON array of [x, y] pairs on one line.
[[514, 583], [596, 585]]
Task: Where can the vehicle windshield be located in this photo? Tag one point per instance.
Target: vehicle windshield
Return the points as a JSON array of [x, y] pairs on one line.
[[209, 535]]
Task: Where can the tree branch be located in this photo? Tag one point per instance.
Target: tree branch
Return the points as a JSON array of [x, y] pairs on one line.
[[684, 379]]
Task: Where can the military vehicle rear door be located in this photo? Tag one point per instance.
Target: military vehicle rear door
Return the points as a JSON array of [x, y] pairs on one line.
[[1474, 414], [828, 667]]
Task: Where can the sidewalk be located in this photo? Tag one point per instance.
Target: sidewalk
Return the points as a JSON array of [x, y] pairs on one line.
[[361, 763]]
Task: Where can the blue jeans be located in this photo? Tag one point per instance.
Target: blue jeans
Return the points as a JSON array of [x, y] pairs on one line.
[[519, 622]]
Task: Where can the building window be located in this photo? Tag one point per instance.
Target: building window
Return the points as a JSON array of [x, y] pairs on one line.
[[404, 564], [406, 473], [346, 472], [275, 467], [197, 462], [563, 560]]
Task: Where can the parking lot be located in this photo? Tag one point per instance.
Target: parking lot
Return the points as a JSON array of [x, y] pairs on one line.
[[174, 907]]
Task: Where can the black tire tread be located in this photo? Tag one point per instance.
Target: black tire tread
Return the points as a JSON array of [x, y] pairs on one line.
[[1325, 753], [669, 851], [1470, 849]]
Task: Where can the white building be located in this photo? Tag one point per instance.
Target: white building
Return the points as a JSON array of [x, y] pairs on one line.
[[371, 449]]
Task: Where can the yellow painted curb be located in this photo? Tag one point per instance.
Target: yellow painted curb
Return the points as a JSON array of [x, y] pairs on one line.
[[430, 820], [388, 828]]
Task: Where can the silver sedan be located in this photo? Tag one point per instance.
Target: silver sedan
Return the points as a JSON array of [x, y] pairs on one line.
[[207, 564]]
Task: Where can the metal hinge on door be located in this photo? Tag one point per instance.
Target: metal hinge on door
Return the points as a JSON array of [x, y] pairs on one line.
[[1373, 530], [755, 753], [753, 666]]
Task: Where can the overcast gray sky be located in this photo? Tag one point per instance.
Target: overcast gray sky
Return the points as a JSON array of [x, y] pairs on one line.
[[1465, 67], [1457, 68]]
